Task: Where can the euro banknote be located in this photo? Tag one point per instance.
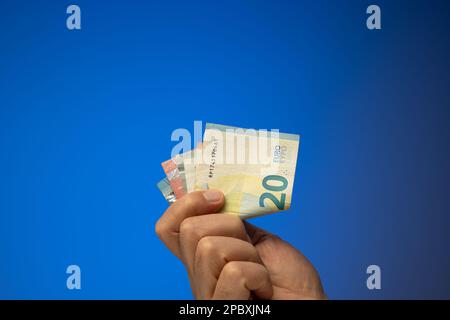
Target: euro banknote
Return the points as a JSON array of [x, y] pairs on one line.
[[174, 169], [166, 190], [189, 161], [255, 169]]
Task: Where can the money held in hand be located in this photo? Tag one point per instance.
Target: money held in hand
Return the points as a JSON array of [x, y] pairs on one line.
[[255, 169]]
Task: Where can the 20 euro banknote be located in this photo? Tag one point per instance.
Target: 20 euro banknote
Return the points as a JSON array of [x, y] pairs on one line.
[[254, 169]]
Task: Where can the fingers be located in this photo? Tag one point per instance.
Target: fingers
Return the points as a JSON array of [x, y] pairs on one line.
[[217, 251], [193, 204], [194, 228], [256, 235], [212, 254], [239, 279]]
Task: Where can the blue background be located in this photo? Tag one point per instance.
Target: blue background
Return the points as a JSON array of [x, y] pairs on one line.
[[86, 118]]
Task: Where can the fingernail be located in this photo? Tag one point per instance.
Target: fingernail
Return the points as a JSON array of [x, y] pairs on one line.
[[212, 195]]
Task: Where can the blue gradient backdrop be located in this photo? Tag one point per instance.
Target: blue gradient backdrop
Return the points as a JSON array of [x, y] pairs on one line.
[[86, 118]]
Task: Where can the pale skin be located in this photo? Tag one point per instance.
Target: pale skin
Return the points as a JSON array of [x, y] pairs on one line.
[[227, 258]]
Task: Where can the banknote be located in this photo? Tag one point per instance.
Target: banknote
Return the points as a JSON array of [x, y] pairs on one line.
[[254, 169], [189, 161], [174, 169], [166, 190], [189, 167]]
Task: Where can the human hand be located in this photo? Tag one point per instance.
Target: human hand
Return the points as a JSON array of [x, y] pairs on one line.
[[227, 258]]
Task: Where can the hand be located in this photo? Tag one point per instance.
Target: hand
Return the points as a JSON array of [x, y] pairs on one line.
[[227, 258]]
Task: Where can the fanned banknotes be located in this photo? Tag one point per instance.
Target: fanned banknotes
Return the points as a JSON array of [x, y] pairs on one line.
[[255, 169]]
